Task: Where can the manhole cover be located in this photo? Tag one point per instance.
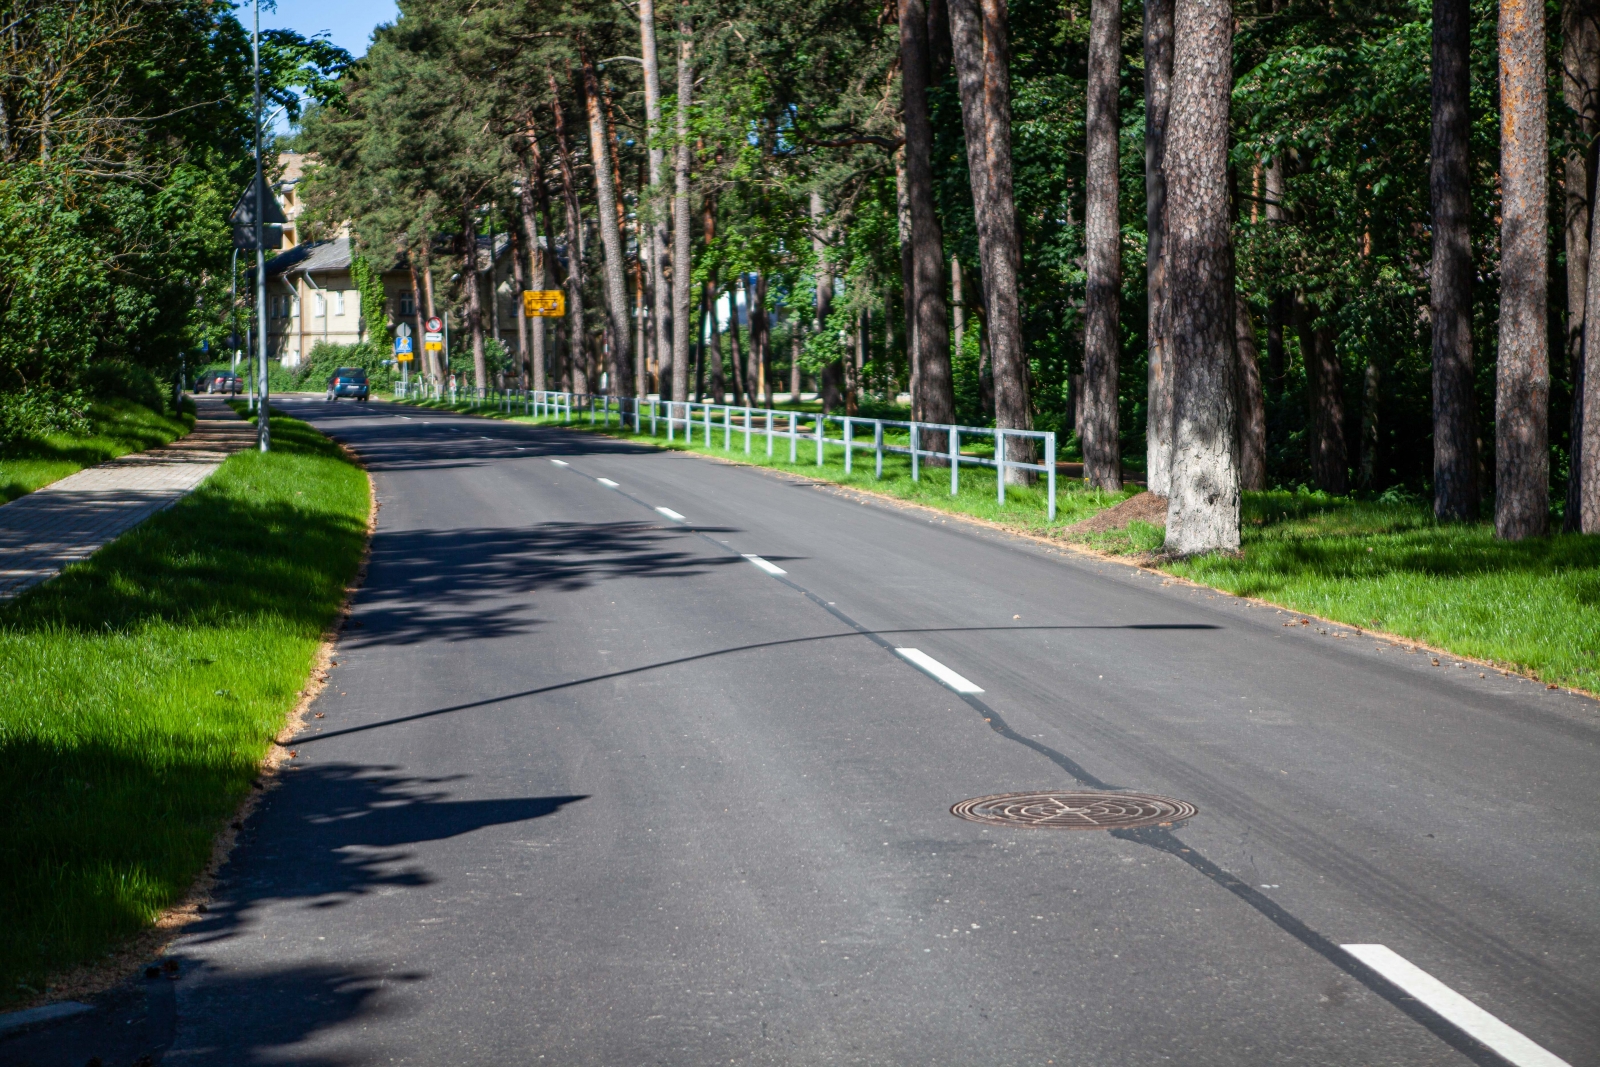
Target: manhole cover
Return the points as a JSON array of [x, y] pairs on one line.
[[1075, 811]]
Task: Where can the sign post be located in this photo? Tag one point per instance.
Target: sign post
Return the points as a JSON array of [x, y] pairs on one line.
[[544, 303], [402, 352]]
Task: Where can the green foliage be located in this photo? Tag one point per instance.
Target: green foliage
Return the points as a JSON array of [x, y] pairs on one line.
[[324, 358], [374, 304], [144, 686]]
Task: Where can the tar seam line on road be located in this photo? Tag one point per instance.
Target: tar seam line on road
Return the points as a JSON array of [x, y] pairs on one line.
[[1166, 841]]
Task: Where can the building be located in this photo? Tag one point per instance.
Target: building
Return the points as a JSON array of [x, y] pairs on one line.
[[312, 297]]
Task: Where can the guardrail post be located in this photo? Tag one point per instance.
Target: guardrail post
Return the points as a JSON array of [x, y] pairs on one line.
[[653, 404], [914, 444], [769, 433], [727, 428], [877, 445], [1050, 472], [794, 437], [955, 460], [1000, 463], [819, 439], [747, 429], [849, 443]]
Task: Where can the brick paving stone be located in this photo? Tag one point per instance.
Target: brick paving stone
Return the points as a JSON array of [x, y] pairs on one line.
[[70, 520]]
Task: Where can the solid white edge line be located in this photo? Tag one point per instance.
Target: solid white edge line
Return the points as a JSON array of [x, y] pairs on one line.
[[925, 662], [559, 462], [770, 568], [607, 482], [673, 515], [1454, 1007]]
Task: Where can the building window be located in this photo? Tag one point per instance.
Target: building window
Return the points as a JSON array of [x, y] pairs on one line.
[[319, 305], [407, 306], [338, 303]]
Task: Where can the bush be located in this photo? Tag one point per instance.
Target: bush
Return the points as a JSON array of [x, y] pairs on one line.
[[376, 359], [114, 379], [39, 412]]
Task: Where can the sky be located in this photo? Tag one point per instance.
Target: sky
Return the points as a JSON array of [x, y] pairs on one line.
[[348, 23]]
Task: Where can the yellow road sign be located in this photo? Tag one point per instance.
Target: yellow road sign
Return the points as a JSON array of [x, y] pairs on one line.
[[433, 346], [544, 303], [404, 357]]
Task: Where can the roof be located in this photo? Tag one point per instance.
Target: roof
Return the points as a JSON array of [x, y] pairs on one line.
[[313, 257], [333, 257]]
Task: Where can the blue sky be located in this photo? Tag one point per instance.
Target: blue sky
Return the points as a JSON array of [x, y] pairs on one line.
[[348, 23]]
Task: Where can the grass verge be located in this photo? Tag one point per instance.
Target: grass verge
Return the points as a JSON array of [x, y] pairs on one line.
[[119, 427], [1532, 606], [143, 688], [1025, 508]]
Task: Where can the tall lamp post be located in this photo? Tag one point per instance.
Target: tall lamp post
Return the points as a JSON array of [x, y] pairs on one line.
[[263, 422]]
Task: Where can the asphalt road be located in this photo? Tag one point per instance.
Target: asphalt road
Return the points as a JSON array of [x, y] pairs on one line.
[[590, 787]]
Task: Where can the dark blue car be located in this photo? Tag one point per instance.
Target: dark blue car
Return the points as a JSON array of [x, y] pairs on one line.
[[348, 381]]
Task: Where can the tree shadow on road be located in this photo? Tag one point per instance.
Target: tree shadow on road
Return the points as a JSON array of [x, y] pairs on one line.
[[472, 584]]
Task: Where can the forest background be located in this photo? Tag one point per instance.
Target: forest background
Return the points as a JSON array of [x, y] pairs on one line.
[[125, 138]]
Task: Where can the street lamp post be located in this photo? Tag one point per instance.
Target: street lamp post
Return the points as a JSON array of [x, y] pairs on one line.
[[263, 422]]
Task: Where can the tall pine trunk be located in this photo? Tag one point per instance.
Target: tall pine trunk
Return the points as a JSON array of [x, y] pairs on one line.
[[680, 211], [1203, 501], [1248, 399], [474, 309], [661, 302], [982, 56], [936, 399], [614, 262], [528, 203], [1324, 403], [831, 378], [1157, 99], [1580, 84], [1102, 334], [1584, 514], [577, 333], [1522, 378], [519, 278], [1455, 489]]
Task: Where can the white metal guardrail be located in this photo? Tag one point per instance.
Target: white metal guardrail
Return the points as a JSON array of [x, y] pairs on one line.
[[695, 420]]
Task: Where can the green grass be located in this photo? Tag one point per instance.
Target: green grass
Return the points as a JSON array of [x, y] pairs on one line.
[[119, 427], [1531, 605], [1025, 507], [143, 688]]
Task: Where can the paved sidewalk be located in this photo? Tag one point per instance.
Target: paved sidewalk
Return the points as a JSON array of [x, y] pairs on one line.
[[70, 520]]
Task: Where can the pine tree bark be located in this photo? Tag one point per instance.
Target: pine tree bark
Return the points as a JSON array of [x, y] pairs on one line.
[[1584, 513], [681, 267], [474, 309], [1158, 16], [661, 302], [1203, 501], [982, 56], [1580, 86], [831, 379], [528, 202], [519, 278], [577, 333], [1455, 490], [1325, 403], [908, 281], [931, 333], [1248, 399], [1102, 335], [1522, 378], [615, 257]]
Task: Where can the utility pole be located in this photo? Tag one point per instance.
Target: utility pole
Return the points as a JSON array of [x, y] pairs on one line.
[[262, 416]]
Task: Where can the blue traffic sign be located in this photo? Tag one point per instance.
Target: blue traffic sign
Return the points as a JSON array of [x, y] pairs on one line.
[[402, 345]]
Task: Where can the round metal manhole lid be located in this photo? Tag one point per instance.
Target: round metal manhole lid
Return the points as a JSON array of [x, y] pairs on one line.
[[1076, 810]]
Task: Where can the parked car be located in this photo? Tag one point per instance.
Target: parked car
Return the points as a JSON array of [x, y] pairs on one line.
[[219, 381], [348, 381]]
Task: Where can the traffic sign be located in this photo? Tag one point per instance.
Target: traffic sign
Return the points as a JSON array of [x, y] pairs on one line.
[[403, 357], [544, 303], [433, 346], [403, 330], [434, 325], [402, 345]]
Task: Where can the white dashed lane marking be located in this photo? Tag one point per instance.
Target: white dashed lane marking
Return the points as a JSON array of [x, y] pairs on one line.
[[673, 515], [607, 482], [764, 565], [937, 670]]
